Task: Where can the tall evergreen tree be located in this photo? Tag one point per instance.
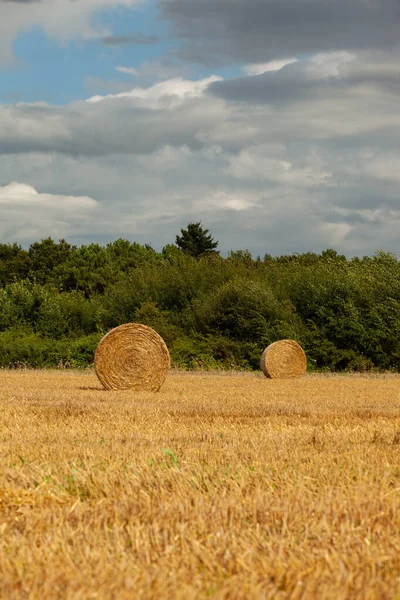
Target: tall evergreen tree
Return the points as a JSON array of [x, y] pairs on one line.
[[196, 241]]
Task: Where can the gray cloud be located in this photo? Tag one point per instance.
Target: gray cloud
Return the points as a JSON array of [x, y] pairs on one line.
[[261, 30], [134, 38], [105, 127], [319, 77], [317, 166], [148, 197]]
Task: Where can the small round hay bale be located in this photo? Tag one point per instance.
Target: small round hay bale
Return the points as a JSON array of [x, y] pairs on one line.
[[285, 359], [132, 357]]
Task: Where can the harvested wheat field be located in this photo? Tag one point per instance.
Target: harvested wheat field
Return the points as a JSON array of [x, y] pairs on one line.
[[218, 486]]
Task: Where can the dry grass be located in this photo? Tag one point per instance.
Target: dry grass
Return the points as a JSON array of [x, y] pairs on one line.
[[221, 487]]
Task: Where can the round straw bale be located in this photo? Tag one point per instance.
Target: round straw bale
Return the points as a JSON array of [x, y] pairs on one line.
[[132, 357], [285, 359]]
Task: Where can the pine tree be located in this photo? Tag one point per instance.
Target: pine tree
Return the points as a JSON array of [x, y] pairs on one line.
[[196, 241]]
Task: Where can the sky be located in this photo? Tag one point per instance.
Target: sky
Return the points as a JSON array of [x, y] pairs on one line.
[[276, 123]]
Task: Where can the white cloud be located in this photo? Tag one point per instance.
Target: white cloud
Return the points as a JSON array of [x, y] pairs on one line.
[[385, 169], [222, 200], [166, 93], [273, 65], [62, 20], [328, 64], [151, 71], [127, 70], [335, 233], [172, 113], [146, 75], [21, 194], [259, 163], [28, 214]]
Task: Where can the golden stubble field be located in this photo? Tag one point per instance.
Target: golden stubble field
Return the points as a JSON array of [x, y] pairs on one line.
[[218, 486]]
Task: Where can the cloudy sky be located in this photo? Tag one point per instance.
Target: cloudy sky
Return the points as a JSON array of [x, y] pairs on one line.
[[274, 122]]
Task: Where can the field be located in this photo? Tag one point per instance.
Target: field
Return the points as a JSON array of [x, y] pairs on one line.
[[219, 486]]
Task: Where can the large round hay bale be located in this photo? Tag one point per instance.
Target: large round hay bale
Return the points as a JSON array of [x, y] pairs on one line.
[[132, 357], [285, 359]]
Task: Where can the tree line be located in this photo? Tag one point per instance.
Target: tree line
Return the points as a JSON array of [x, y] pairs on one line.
[[58, 300]]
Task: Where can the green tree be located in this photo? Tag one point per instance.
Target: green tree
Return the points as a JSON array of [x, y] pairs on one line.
[[14, 263], [196, 241], [45, 256]]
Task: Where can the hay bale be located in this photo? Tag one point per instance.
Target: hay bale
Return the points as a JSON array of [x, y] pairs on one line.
[[285, 359], [132, 357]]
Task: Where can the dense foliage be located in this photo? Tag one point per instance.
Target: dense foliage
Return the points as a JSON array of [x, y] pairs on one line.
[[56, 302]]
